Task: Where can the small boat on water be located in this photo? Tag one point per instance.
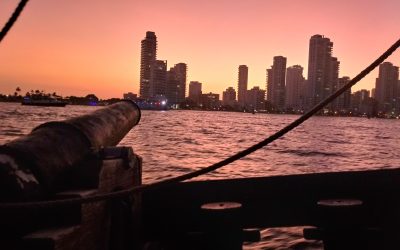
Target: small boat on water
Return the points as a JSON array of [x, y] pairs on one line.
[[158, 103], [48, 102]]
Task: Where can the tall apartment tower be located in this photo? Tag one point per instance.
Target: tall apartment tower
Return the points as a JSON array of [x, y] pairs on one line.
[[268, 87], [343, 102], [242, 84], [147, 59], [386, 87], [276, 83], [373, 93], [176, 83], [229, 97], [294, 87], [195, 91], [172, 82], [361, 103], [333, 82], [181, 70], [255, 98], [158, 79], [320, 67]]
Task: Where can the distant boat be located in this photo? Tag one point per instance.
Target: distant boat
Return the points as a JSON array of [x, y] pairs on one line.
[[43, 102], [159, 103]]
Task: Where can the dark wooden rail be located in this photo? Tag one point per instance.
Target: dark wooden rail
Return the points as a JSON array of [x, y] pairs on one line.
[[278, 201]]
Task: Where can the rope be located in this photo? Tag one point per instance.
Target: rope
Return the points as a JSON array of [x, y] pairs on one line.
[[12, 19], [235, 157]]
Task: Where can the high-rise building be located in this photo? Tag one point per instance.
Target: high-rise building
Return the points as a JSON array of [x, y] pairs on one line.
[[268, 86], [294, 87], [255, 98], [176, 84], [195, 91], [147, 58], [276, 83], [386, 88], [242, 83], [334, 81], [181, 69], [322, 69], [342, 102], [209, 101], [229, 97], [158, 79], [373, 93], [172, 82], [361, 103]]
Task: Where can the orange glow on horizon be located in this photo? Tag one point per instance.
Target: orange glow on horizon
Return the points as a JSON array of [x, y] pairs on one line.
[[82, 47]]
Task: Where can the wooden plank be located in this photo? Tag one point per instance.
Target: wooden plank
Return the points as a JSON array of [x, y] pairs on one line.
[[46, 239], [95, 219]]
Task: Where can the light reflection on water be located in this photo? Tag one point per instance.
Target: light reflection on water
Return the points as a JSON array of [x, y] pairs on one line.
[[179, 141], [176, 142]]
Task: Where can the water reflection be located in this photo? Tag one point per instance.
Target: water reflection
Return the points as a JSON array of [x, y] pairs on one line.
[[177, 142]]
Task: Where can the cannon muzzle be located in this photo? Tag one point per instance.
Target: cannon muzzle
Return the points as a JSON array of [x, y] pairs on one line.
[[36, 165]]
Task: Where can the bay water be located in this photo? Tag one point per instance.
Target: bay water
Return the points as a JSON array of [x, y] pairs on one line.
[[175, 142]]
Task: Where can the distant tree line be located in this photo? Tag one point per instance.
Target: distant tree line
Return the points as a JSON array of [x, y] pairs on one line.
[[89, 99]]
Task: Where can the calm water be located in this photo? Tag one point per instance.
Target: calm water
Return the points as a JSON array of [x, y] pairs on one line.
[[176, 142]]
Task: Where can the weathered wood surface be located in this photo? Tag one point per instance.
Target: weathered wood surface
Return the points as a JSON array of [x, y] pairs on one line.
[[86, 226], [277, 201], [89, 233], [36, 165]]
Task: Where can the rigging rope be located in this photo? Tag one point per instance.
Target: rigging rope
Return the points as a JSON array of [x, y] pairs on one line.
[[237, 156], [12, 19]]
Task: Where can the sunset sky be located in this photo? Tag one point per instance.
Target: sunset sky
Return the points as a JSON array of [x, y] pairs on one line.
[[76, 47]]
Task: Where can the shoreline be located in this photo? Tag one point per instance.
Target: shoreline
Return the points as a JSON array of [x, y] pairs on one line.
[[101, 104]]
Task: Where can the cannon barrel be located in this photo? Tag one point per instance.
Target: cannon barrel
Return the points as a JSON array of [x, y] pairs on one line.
[[35, 166]]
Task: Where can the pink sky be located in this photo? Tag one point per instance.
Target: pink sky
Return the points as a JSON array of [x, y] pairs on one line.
[[78, 47]]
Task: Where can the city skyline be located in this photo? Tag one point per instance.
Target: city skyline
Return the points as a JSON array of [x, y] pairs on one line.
[[286, 88], [57, 46]]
